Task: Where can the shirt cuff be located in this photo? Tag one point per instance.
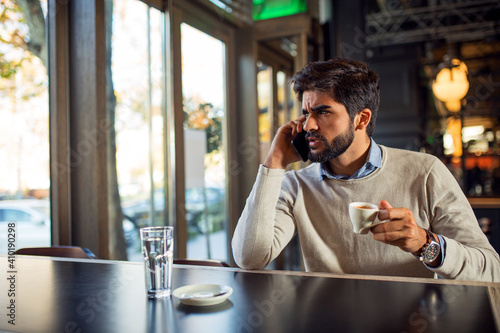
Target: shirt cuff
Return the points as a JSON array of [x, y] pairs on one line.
[[271, 172]]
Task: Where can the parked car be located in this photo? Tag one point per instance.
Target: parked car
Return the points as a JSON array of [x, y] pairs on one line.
[[205, 210], [200, 202], [32, 219]]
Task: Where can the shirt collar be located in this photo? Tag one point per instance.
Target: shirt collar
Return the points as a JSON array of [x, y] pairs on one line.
[[372, 163]]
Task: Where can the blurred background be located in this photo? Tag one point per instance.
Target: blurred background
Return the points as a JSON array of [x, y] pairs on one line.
[[163, 114]]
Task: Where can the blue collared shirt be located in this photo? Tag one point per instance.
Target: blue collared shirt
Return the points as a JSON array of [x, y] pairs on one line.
[[373, 162]]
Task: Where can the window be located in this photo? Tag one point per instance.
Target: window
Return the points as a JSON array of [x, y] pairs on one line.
[[205, 153], [275, 103], [137, 69], [139, 167], [24, 117], [265, 104]]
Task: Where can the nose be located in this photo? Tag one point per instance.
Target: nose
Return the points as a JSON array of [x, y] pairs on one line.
[[310, 124]]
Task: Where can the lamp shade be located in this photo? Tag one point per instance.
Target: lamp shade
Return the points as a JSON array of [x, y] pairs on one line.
[[451, 85]]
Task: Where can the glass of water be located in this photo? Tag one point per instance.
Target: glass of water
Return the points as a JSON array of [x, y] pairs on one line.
[[158, 253]]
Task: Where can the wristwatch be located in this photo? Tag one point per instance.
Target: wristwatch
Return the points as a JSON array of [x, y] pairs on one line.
[[430, 251]]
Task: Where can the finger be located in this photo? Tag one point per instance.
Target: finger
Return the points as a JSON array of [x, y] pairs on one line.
[[301, 119], [389, 232], [297, 127], [381, 234], [383, 204], [397, 214], [384, 207], [300, 123], [388, 227], [405, 239]]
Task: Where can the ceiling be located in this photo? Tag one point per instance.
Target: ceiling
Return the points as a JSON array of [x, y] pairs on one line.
[[468, 30]]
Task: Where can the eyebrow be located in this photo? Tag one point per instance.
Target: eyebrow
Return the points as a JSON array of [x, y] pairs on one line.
[[318, 108], [321, 107]]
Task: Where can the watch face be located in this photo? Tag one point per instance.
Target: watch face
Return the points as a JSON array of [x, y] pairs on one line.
[[431, 252]]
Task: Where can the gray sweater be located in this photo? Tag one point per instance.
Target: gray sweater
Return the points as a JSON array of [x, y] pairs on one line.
[[284, 203]]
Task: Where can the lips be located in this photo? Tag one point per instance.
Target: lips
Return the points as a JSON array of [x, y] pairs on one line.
[[314, 142]]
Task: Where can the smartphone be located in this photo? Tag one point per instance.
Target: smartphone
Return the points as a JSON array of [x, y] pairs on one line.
[[301, 145]]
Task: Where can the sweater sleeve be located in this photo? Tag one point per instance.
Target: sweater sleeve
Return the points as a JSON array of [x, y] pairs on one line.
[[263, 230], [469, 255]]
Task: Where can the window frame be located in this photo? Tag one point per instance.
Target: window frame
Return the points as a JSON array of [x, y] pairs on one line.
[[79, 202], [184, 12]]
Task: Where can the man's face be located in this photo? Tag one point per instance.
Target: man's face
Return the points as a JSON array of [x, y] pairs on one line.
[[330, 130]]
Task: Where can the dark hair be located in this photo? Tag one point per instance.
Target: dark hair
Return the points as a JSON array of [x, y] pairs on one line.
[[348, 82]]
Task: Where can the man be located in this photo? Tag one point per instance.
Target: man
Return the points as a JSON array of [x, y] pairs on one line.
[[435, 230]]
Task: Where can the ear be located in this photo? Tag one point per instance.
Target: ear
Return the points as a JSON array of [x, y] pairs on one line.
[[363, 119]]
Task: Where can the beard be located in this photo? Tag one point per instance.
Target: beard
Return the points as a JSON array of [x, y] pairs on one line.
[[332, 149]]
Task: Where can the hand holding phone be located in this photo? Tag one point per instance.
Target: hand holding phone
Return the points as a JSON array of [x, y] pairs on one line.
[[301, 145]]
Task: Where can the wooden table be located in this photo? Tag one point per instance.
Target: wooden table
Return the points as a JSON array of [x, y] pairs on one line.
[[79, 295]]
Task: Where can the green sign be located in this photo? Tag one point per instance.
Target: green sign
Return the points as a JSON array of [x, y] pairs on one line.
[[266, 9]]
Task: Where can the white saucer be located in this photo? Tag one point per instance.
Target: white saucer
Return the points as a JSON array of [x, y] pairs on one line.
[[202, 294]]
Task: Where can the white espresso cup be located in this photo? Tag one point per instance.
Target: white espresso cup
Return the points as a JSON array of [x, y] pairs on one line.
[[363, 216]]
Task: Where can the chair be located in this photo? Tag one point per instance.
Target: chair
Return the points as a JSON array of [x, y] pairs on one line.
[[208, 262], [57, 251]]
